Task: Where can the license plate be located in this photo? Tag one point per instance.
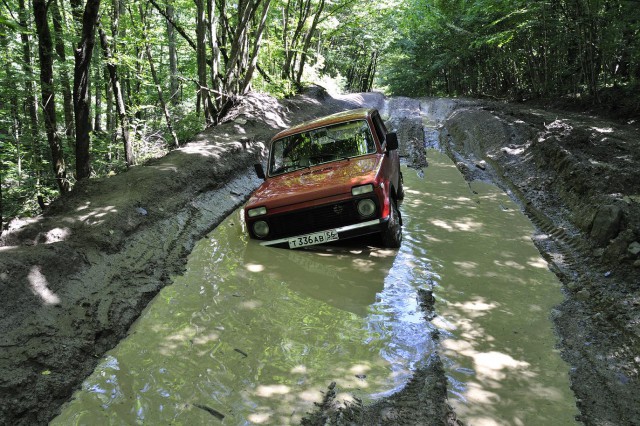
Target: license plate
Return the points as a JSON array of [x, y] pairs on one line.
[[313, 238]]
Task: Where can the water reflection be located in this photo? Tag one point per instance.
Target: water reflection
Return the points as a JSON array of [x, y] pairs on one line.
[[252, 334], [255, 335], [493, 298], [347, 277]]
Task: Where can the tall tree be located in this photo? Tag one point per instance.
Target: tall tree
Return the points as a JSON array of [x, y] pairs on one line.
[[156, 80], [81, 78], [173, 57], [64, 74], [121, 109], [257, 42], [45, 52], [201, 58]]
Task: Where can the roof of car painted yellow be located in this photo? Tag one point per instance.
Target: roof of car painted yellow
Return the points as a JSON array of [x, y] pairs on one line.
[[353, 114]]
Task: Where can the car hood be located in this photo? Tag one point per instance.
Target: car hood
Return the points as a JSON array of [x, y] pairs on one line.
[[321, 181]]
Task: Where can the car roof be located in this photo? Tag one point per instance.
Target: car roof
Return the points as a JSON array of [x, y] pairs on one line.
[[350, 115]]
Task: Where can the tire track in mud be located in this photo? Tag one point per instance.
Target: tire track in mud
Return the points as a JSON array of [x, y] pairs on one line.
[[565, 251], [423, 400], [583, 319]]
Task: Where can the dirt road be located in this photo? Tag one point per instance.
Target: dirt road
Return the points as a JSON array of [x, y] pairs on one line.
[[75, 279]]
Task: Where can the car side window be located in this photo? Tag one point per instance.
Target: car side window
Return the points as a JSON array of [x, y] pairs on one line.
[[380, 129]]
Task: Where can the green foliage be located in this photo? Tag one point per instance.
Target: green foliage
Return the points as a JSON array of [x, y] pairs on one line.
[[513, 48], [584, 49]]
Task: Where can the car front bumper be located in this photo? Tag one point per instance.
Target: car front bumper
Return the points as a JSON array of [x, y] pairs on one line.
[[344, 232]]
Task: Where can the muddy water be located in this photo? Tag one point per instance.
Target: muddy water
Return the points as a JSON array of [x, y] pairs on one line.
[[494, 296], [256, 335], [253, 335]]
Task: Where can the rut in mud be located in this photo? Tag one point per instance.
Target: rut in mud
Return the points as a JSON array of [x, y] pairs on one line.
[[255, 334], [63, 316]]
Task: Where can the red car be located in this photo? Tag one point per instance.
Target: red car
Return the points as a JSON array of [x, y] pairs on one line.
[[329, 179]]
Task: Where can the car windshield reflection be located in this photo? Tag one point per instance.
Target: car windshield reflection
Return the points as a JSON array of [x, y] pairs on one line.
[[319, 146]]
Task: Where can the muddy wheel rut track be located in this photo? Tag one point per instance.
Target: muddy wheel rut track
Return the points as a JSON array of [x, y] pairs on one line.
[[566, 251], [106, 285], [594, 327]]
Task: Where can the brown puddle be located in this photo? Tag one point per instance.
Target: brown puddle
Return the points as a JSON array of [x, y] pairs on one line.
[[253, 335], [494, 294]]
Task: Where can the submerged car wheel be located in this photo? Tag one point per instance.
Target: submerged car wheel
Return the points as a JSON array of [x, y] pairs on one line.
[[392, 233], [400, 191]]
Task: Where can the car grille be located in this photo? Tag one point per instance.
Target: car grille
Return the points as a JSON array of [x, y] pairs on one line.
[[315, 219]]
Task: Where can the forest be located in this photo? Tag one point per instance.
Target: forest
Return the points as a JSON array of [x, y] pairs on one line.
[[91, 88]]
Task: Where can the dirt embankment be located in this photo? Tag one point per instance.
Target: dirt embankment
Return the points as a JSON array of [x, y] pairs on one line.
[[578, 179]]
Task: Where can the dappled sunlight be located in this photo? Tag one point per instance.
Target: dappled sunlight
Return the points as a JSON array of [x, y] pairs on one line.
[[267, 391], [206, 150], [602, 129], [464, 224], [537, 262], [40, 287], [299, 369], [206, 339], [509, 264], [497, 365], [178, 339], [364, 265], [164, 168], [478, 395], [57, 234], [493, 297], [467, 268], [252, 267], [96, 215], [478, 305], [251, 304], [442, 224]]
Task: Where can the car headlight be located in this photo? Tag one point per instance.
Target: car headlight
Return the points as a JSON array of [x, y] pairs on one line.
[[362, 189], [261, 229], [366, 207], [257, 212]]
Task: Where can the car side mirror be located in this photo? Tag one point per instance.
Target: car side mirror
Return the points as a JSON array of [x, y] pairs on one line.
[[392, 141], [259, 171]]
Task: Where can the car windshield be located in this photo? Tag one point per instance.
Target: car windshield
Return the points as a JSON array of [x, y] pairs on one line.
[[321, 145]]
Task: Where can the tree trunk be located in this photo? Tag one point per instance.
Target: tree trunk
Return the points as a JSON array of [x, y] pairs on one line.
[[117, 92], [31, 102], [256, 48], [108, 95], [156, 82], [1, 181], [81, 88], [97, 85], [307, 42], [234, 69], [27, 66], [64, 74], [45, 50], [173, 58], [204, 99], [214, 46], [1, 173]]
